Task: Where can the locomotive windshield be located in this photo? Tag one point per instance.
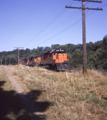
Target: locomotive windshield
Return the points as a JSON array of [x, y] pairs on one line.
[[57, 51]]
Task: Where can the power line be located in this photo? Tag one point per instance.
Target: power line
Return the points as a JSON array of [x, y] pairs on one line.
[[60, 31], [68, 27], [53, 29], [49, 24], [46, 26], [55, 34], [92, 12]]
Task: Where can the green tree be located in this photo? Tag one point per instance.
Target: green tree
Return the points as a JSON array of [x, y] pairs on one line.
[[91, 60], [77, 59], [55, 46], [104, 60]]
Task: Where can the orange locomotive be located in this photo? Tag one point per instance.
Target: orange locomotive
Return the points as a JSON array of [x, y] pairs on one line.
[[54, 59], [34, 60], [24, 61]]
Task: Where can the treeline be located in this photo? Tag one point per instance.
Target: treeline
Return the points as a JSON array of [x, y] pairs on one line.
[[96, 54]]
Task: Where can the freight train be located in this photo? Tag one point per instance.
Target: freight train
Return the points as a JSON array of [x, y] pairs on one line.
[[54, 59]]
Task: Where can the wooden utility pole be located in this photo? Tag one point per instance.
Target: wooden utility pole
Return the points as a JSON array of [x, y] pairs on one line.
[[1, 61], [18, 53], [9, 60], [84, 27], [9, 56], [5, 61]]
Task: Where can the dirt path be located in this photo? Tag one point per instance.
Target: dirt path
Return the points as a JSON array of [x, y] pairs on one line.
[[15, 84], [27, 101]]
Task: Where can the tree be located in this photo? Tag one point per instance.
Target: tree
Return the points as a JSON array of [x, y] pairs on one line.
[[55, 46], [92, 59], [105, 52], [47, 49], [77, 58]]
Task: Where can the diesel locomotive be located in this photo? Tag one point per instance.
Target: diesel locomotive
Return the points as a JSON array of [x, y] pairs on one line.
[[54, 59]]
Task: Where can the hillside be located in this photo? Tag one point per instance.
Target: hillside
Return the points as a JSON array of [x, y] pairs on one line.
[[96, 54], [56, 95]]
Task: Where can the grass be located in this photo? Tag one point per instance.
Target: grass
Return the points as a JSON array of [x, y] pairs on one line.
[[16, 105], [4, 78], [10, 101], [74, 96]]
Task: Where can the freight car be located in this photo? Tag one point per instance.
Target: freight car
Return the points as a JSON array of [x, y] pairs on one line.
[[54, 59]]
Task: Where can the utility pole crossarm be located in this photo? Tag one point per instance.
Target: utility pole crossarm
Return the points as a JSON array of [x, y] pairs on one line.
[[83, 8], [90, 1]]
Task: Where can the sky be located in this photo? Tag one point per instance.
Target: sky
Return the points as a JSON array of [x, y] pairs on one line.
[[33, 23]]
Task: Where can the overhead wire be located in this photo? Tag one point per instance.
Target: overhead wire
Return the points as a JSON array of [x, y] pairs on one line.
[[69, 26], [92, 12], [60, 31], [49, 24], [54, 19], [57, 25], [46, 26]]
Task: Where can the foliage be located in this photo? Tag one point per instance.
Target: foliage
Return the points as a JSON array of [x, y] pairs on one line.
[[77, 58], [96, 54]]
